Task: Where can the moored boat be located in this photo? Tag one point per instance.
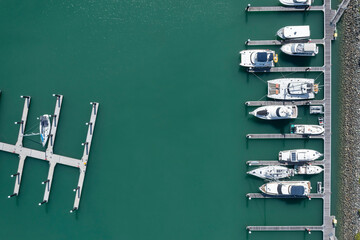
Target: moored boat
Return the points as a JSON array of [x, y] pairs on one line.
[[303, 3], [307, 169], [276, 112], [272, 172], [300, 49], [287, 188], [294, 32], [292, 89], [299, 155], [304, 129], [258, 58], [45, 127]]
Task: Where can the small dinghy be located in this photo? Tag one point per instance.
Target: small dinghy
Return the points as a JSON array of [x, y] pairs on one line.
[[276, 112], [299, 155], [300, 49], [308, 170], [272, 172], [45, 127], [295, 3], [307, 129], [294, 32]]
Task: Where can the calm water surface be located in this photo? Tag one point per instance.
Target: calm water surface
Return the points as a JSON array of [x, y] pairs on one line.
[[169, 151]]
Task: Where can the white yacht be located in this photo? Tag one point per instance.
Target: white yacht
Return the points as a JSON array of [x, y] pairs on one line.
[[295, 3], [303, 129], [308, 170], [45, 127], [258, 58], [272, 172], [294, 32], [292, 88], [300, 49], [287, 188], [299, 155], [276, 112]]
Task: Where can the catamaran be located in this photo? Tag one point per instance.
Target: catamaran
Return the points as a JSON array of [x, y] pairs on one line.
[[292, 89]]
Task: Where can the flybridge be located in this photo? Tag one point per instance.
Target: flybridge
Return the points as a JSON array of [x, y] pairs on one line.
[[48, 155]]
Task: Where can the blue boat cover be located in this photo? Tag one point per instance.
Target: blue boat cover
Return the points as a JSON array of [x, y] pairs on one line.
[[262, 57], [297, 190]]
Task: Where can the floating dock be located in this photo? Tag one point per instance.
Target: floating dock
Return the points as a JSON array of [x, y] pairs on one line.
[[48, 155], [297, 103], [331, 17], [287, 69], [283, 9], [281, 42], [282, 136], [278, 163]]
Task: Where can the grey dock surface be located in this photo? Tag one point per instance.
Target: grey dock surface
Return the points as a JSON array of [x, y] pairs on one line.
[[284, 9], [297, 103], [340, 11], [281, 42], [48, 155], [285, 228], [282, 136], [287, 69], [260, 195], [331, 17], [277, 163]]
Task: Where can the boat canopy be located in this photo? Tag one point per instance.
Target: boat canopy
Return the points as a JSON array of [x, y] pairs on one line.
[[297, 190], [262, 56], [310, 47]]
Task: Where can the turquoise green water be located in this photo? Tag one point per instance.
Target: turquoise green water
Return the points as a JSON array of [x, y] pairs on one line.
[[169, 150]]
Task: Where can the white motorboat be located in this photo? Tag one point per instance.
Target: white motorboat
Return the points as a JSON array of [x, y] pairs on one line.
[[272, 172], [45, 127], [258, 58], [294, 32], [287, 188], [307, 170], [300, 49], [303, 129], [299, 155], [292, 88], [303, 3], [276, 112]]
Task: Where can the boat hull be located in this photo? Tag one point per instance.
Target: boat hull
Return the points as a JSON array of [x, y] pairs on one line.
[[288, 49], [307, 129], [299, 155], [45, 127], [296, 4], [279, 89], [249, 59], [287, 188], [272, 172], [308, 170], [276, 112]]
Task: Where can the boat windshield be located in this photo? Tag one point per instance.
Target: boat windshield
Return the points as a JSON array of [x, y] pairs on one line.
[[279, 188], [263, 112], [262, 57]]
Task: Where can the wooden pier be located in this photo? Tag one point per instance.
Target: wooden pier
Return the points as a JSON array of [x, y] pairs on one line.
[[282, 136], [48, 155], [287, 69], [331, 17], [297, 103], [281, 42]]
